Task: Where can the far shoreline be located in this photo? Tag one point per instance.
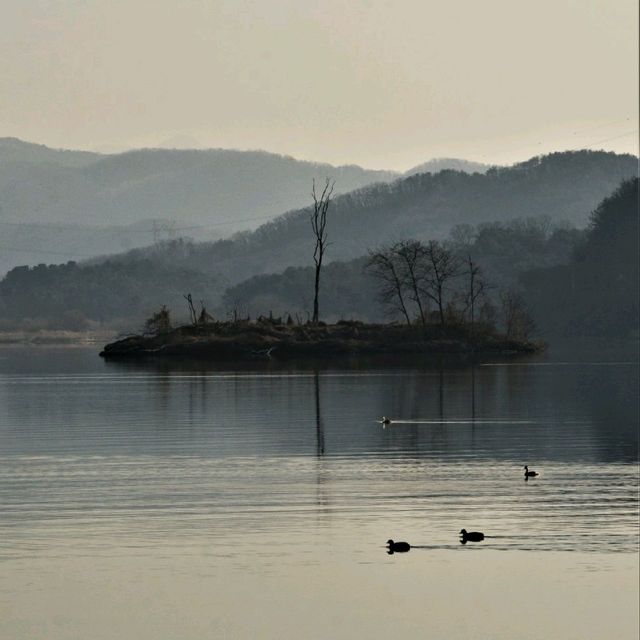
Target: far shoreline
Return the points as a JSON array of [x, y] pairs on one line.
[[52, 337]]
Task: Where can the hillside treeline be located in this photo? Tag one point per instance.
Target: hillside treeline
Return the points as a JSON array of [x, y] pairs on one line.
[[573, 281], [502, 250], [80, 297], [597, 292], [123, 294]]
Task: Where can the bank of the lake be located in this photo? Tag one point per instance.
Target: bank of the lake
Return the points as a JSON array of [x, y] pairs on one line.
[[281, 340], [55, 337]]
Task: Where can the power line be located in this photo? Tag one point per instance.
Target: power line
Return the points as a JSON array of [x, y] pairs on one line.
[[577, 133], [622, 135]]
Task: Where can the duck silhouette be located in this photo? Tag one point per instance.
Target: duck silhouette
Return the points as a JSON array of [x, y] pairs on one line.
[[529, 474], [385, 420], [397, 547], [470, 536]]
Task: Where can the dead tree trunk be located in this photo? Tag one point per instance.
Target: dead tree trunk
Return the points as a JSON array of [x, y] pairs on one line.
[[192, 312], [319, 225]]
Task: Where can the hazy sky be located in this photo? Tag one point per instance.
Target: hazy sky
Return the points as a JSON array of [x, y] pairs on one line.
[[382, 83]]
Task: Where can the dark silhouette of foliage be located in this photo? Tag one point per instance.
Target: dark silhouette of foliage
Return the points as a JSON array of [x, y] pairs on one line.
[[158, 323], [596, 293]]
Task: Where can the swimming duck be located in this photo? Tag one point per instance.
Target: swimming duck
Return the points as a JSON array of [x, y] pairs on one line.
[[529, 474], [398, 547], [385, 420], [471, 536]]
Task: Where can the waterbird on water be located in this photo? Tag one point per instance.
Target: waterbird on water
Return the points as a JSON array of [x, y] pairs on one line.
[[529, 474], [398, 547], [470, 536], [385, 420]]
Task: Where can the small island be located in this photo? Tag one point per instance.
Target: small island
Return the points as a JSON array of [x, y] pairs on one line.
[[436, 292], [273, 338]]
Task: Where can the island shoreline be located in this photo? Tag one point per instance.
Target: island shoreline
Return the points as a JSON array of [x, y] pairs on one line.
[[271, 339]]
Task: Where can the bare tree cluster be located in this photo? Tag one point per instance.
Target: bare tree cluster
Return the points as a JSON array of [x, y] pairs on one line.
[[416, 277]]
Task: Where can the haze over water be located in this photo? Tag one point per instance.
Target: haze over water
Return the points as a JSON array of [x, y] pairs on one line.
[[192, 501]]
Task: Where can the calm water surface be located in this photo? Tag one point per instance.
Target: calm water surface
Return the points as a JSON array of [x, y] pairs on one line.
[[254, 502]]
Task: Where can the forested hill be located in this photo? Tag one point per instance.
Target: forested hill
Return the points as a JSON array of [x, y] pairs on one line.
[[442, 164], [597, 292], [574, 281], [561, 186]]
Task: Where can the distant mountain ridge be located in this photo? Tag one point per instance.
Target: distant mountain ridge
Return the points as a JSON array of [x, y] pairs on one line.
[[58, 204], [14, 150], [123, 289], [564, 187], [39, 184], [448, 164]]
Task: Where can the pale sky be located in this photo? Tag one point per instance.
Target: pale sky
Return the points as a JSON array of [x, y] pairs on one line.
[[381, 83]]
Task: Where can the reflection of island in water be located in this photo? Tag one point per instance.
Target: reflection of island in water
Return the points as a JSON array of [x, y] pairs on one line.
[[528, 407]]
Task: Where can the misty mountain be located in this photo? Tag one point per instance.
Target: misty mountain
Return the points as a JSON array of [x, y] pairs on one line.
[[448, 164], [194, 187], [563, 187], [87, 202], [17, 152], [243, 272]]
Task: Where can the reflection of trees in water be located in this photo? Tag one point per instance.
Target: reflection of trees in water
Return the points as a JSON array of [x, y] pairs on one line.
[[163, 393], [473, 404], [323, 503], [577, 410], [319, 425], [197, 400]]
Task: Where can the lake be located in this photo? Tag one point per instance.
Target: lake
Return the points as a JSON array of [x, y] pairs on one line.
[[185, 500]]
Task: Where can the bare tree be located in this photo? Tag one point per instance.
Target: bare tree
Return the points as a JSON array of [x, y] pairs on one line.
[[441, 266], [383, 266], [319, 225], [518, 324], [192, 311], [411, 256]]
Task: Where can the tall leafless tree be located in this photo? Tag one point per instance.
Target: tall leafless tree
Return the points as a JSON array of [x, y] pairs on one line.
[[411, 256], [319, 226], [382, 265], [441, 267]]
